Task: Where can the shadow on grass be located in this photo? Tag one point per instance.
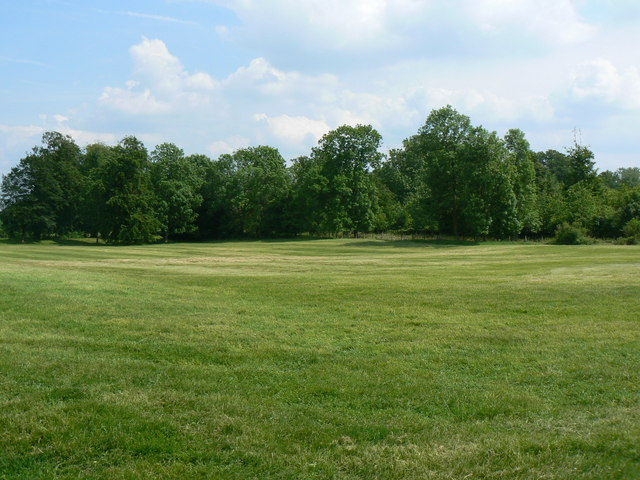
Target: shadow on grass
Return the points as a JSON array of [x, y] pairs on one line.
[[68, 242], [12, 241], [440, 243], [78, 242], [91, 242], [298, 239]]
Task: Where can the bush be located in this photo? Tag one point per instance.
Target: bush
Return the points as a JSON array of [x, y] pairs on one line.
[[631, 233], [572, 234], [632, 228], [626, 241]]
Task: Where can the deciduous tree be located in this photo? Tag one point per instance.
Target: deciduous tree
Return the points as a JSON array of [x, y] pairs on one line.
[[124, 193], [177, 181], [345, 157]]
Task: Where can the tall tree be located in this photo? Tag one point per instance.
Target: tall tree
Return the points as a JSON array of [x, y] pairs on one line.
[[308, 186], [40, 196], [488, 203], [91, 205], [403, 175], [23, 217], [61, 154], [524, 180], [346, 156], [125, 196], [627, 206], [442, 142], [215, 219], [467, 177], [581, 165], [260, 191], [556, 164], [177, 181]]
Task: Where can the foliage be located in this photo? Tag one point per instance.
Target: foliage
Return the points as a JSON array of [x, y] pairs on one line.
[[441, 141], [468, 177], [40, 196], [344, 157], [572, 234], [177, 182], [621, 178], [450, 178], [125, 201], [632, 228], [556, 164], [523, 173], [309, 185], [628, 205], [581, 165], [259, 191], [215, 218]]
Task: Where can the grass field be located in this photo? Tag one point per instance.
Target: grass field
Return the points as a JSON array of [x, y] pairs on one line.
[[320, 359]]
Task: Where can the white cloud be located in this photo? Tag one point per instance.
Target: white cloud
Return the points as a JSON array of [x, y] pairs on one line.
[[340, 24], [259, 70], [342, 34], [378, 109], [228, 145], [263, 82], [200, 81], [320, 64], [300, 132], [602, 81], [492, 107], [260, 103], [133, 103], [17, 135], [16, 140], [60, 118], [553, 21], [162, 85], [156, 64], [63, 124]]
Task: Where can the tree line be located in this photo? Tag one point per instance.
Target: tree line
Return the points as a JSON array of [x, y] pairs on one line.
[[450, 178]]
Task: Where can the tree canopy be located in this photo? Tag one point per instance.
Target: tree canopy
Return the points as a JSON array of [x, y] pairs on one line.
[[450, 178]]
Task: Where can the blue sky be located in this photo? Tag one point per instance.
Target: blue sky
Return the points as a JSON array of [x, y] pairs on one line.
[[216, 75]]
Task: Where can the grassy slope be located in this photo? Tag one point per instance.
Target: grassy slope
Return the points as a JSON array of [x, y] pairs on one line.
[[319, 359]]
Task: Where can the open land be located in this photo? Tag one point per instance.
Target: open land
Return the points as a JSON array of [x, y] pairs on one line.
[[319, 359]]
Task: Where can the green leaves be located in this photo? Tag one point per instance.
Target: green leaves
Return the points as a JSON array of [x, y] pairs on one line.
[[343, 161], [177, 181], [126, 202], [40, 196], [451, 178]]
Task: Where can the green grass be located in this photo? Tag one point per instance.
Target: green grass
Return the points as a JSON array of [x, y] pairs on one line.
[[326, 359]]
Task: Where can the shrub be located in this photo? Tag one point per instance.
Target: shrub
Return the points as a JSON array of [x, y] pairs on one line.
[[631, 233], [632, 228], [626, 241], [572, 234]]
